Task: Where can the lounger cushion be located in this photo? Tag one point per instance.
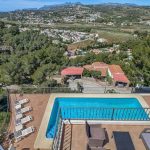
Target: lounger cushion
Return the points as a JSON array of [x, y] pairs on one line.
[[96, 135], [123, 140], [146, 140], [97, 132]]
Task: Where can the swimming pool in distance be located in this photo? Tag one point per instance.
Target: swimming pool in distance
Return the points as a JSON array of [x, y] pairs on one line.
[[95, 109]]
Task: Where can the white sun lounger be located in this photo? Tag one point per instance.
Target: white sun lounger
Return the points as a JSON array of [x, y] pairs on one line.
[[24, 110], [24, 120], [22, 101], [27, 131], [19, 127], [22, 133], [18, 107], [19, 116], [18, 135]]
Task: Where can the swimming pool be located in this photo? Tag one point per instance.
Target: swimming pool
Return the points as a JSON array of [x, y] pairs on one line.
[[95, 109]]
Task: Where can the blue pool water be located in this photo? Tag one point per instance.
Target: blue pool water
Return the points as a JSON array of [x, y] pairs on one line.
[[95, 108]]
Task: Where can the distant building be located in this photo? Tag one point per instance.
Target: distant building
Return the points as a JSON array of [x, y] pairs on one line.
[[96, 51]]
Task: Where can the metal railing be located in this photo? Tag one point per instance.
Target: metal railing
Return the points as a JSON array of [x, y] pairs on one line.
[[58, 132], [42, 90], [113, 114], [96, 113]]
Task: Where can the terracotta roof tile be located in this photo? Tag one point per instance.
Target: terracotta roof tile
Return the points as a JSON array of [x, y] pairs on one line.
[[118, 74], [72, 71]]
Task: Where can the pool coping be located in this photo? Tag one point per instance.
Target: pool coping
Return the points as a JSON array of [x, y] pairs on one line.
[[42, 142]]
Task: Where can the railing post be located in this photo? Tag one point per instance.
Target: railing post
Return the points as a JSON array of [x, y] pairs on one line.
[[112, 116]]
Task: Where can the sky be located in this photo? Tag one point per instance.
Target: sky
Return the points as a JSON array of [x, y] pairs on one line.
[[10, 5]]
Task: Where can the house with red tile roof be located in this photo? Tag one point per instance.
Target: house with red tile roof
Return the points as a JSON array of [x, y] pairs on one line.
[[72, 71], [114, 71], [98, 66], [118, 76]]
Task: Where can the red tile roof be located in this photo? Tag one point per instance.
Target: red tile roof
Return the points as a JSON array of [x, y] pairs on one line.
[[118, 74], [88, 67], [120, 78], [72, 71], [115, 69], [98, 66]]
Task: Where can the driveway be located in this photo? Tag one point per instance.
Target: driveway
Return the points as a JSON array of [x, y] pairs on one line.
[[91, 86]]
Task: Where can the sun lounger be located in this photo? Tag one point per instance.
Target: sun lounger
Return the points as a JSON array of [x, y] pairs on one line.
[[96, 135], [24, 120], [22, 133], [145, 136], [19, 116], [23, 101], [18, 135], [27, 131], [17, 107], [123, 141], [24, 110], [19, 127]]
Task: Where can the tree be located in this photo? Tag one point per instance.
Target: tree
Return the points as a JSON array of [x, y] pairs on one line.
[[96, 74], [86, 73], [14, 30], [2, 24]]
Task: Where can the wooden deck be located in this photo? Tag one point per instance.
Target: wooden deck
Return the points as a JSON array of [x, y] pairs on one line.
[[79, 139]]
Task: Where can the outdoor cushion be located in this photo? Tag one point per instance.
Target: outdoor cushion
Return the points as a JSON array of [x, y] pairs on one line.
[[146, 140], [123, 140], [97, 132]]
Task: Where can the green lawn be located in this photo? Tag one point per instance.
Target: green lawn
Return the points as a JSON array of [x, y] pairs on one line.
[[82, 44], [113, 36]]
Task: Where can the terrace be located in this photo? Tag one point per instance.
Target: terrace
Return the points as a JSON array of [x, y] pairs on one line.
[[71, 132], [73, 136], [79, 139], [38, 103]]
